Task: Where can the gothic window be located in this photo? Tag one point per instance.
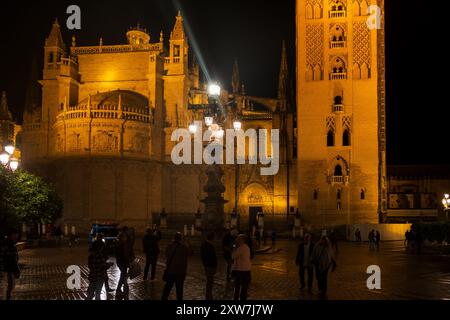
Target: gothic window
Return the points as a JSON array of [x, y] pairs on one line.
[[176, 51], [338, 100], [338, 171], [346, 138], [330, 138], [317, 73], [317, 11], [50, 57], [337, 37], [309, 12], [365, 72], [316, 194], [337, 9], [364, 11], [338, 69], [363, 194]]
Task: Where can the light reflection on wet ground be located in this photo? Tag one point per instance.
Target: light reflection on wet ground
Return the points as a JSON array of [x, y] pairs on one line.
[[274, 276]]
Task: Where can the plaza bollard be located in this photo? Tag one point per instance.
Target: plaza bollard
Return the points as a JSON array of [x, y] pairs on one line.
[[66, 230], [74, 230], [193, 231], [43, 230], [185, 231]]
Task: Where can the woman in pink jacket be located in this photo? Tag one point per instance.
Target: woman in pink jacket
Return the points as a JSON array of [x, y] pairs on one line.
[[241, 268]]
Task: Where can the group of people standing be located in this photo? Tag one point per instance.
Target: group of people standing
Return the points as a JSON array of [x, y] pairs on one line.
[[318, 259]]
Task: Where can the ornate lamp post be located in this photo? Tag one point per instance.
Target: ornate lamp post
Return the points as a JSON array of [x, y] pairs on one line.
[[214, 118], [7, 159]]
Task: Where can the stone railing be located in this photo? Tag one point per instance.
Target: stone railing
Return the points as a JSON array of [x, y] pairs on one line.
[[337, 44], [338, 108], [338, 180], [338, 76], [338, 14], [115, 49], [110, 112]]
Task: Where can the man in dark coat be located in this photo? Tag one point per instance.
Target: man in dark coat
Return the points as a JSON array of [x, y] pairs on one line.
[[97, 269], [209, 260], [304, 262], [151, 250], [124, 257], [9, 264], [176, 267]]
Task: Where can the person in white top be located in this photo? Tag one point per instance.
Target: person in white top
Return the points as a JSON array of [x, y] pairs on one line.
[[241, 268]]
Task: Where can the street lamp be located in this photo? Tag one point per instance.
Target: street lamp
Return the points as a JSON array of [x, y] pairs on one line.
[[214, 90], [9, 148], [6, 158], [446, 204]]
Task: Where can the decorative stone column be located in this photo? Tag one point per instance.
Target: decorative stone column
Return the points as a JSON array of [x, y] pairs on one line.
[[213, 217]]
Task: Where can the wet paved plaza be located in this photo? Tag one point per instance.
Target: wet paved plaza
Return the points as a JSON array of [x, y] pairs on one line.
[[274, 276]]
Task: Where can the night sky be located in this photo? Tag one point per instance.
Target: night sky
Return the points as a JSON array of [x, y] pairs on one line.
[[252, 31]]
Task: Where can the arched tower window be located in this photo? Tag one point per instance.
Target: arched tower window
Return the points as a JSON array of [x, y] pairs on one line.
[[338, 106], [346, 138], [316, 194], [337, 37], [338, 171], [50, 57], [309, 73], [356, 71], [363, 194], [364, 8], [330, 138], [338, 69], [337, 9]]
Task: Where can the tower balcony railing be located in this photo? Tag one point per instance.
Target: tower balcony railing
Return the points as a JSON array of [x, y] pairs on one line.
[[112, 112], [338, 14], [333, 180], [176, 60], [338, 76], [335, 44], [167, 60], [338, 108]]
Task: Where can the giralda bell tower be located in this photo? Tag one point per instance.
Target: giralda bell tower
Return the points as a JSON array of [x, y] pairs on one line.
[[341, 111]]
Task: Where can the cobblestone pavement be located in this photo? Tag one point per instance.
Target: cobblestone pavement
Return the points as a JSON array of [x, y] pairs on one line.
[[274, 276]]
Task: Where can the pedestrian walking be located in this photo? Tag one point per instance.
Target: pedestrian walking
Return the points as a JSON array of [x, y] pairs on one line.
[[124, 258], [358, 235], [371, 240], [227, 246], [176, 267], [9, 264], [209, 260], [102, 246], [304, 262], [97, 269], [241, 268], [151, 250], [378, 240], [323, 261]]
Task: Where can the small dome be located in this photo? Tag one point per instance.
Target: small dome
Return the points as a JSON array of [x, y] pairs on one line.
[[129, 99], [138, 36]]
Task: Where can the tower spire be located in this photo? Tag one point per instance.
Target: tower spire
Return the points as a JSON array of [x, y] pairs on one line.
[[235, 80], [283, 79], [55, 38], [178, 30]]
